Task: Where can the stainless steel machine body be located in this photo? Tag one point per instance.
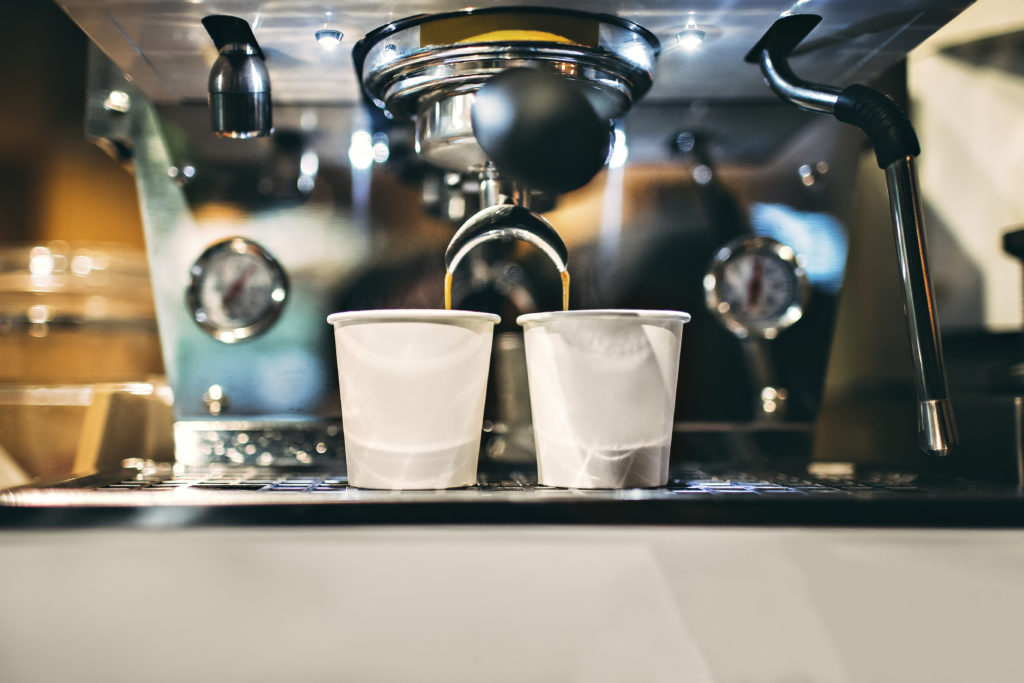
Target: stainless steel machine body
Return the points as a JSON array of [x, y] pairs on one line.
[[168, 53], [260, 388]]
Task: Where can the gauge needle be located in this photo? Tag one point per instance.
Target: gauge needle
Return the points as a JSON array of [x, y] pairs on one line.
[[756, 283], [237, 287]]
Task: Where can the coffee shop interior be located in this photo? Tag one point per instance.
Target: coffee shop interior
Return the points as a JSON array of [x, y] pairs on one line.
[[184, 486]]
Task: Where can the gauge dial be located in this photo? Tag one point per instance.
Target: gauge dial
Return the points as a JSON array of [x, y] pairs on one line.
[[237, 290], [757, 287]]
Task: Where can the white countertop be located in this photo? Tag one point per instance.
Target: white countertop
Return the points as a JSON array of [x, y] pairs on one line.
[[511, 603]]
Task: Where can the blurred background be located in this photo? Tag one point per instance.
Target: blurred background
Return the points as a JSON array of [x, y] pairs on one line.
[[94, 327], [54, 184]]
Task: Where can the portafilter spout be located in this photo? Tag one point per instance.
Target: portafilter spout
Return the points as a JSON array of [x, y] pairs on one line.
[[896, 145], [503, 222]]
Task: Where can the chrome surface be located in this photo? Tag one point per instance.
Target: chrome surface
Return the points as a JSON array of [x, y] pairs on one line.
[[259, 442], [509, 436], [328, 38], [937, 433], [718, 277], [444, 133], [399, 70], [770, 400], [936, 426], [807, 96], [496, 190], [168, 54], [937, 429], [239, 85], [239, 69], [505, 222], [404, 73], [237, 290]]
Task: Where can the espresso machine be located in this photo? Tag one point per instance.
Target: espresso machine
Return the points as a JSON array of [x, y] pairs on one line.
[[293, 161], [826, 517]]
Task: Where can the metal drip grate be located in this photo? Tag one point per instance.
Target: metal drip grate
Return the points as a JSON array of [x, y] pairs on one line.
[[244, 480], [689, 483], [175, 496]]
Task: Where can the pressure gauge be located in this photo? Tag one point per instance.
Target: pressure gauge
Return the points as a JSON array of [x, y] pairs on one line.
[[237, 290], [757, 287]]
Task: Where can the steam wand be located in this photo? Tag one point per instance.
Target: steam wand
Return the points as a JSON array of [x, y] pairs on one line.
[[896, 145]]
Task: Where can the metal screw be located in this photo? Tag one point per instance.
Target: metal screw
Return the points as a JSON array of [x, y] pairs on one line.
[[685, 142], [215, 400], [773, 403]]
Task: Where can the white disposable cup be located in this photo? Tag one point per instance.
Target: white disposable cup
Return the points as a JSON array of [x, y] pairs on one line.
[[602, 393], [412, 384]]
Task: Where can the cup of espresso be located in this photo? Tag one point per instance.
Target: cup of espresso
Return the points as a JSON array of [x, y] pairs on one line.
[[602, 393], [413, 384]]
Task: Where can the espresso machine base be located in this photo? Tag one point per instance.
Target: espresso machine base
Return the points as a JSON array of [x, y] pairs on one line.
[[819, 494]]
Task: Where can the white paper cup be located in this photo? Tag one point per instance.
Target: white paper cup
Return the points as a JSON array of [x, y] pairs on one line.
[[413, 384], [602, 392]]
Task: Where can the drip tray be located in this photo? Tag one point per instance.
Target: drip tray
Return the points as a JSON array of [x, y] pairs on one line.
[[693, 482], [177, 496]]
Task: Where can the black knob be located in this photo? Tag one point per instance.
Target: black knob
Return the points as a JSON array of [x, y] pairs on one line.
[[540, 129]]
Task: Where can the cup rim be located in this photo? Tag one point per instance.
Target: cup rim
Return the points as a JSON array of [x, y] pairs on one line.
[[412, 315], [604, 314]]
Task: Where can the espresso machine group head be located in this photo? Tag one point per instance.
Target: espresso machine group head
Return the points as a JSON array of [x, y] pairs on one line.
[[531, 92]]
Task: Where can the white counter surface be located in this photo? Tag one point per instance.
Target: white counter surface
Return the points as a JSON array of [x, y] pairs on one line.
[[511, 603]]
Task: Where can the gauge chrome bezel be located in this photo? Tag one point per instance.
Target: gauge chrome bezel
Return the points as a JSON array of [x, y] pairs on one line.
[[277, 296], [739, 325]]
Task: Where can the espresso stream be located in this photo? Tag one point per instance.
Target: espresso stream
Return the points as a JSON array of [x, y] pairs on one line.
[[448, 289]]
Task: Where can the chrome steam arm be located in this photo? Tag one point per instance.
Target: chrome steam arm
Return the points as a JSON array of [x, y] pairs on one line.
[[896, 145]]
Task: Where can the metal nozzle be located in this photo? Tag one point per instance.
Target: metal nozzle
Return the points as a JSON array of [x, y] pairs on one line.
[[239, 84], [936, 428], [506, 221]]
